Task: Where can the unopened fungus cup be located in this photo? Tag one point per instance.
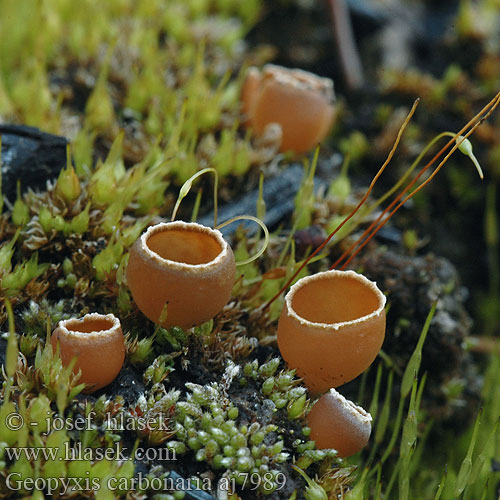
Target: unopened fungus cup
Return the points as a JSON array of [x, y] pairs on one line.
[[181, 273], [338, 423], [96, 340], [331, 328]]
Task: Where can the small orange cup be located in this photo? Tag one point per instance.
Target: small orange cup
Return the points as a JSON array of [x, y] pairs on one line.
[[331, 328], [181, 273], [96, 340], [299, 101]]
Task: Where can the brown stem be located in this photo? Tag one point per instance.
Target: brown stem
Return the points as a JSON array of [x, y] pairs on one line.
[[378, 224], [358, 206], [478, 118]]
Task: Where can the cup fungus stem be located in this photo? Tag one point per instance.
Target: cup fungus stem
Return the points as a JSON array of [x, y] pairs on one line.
[[186, 187], [264, 229]]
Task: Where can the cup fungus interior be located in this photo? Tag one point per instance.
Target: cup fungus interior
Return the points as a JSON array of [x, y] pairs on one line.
[[186, 266], [337, 298], [89, 325], [188, 246]]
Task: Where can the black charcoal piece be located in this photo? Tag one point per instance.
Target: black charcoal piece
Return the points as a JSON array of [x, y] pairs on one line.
[[30, 155]]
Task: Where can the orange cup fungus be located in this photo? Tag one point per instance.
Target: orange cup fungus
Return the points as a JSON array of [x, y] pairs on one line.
[[338, 423], [96, 340], [331, 328], [299, 101], [187, 267]]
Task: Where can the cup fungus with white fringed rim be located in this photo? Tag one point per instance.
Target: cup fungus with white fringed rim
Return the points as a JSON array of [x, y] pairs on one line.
[[331, 328], [97, 342], [338, 423], [181, 273], [299, 101]]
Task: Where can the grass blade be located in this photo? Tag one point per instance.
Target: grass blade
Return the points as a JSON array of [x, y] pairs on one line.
[[466, 467], [416, 358]]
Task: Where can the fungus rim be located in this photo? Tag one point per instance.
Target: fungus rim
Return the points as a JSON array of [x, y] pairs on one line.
[[182, 266], [93, 335], [358, 414], [381, 299]]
